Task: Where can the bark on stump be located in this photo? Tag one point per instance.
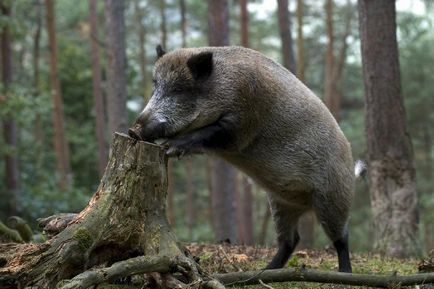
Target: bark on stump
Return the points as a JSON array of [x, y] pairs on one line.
[[125, 218]]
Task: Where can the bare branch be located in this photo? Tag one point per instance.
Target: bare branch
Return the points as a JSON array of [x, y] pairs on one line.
[[308, 275], [265, 285]]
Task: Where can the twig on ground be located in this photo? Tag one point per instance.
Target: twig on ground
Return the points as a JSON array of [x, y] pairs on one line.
[[265, 285]]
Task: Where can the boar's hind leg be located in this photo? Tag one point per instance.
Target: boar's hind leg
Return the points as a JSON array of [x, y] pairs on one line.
[[286, 247], [285, 219], [341, 246], [333, 216]]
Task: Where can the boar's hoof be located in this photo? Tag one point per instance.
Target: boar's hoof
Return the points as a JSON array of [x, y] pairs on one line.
[[133, 134], [177, 148], [173, 151]]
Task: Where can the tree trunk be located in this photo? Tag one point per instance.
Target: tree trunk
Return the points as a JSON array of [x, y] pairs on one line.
[[141, 31], [300, 41], [116, 66], [285, 35], [247, 210], [10, 131], [244, 23], [330, 96], [60, 143], [218, 23], [223, 175], [262, 238], [125, 218], [163, 24], [223, 183], [190, 198], [306, 230], [428, 144], [39, 132], [394, 197], [183, 23], [97, 92], [334, 64]]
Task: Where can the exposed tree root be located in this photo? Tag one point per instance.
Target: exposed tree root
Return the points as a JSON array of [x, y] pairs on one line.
[[132, 266]]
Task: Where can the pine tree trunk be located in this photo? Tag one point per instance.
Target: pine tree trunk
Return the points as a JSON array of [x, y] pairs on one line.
[[428, 144], [330, 95], [218, 23], [10, 130], [125, 218], [286, 36], [141, 31], [223, 183], [262, 238], [394, 197], [97, 92], [183, 23], [335, 63], [247, 209], [39, 133], [244, 23], [191, 216], [306, 230], [163, 24], [116, 66], [60, 143], [300, 41]]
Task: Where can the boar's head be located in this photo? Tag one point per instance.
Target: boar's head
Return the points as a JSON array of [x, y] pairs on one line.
[[182, 98]]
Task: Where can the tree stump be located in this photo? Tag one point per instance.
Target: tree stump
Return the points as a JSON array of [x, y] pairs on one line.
[[125, 218]]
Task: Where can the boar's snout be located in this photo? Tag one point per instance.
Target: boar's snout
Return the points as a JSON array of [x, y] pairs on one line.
[[148, 131], [134, 132]]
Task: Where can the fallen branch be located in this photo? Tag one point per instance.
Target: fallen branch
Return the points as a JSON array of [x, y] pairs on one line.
[[133, 266], [309, 275]]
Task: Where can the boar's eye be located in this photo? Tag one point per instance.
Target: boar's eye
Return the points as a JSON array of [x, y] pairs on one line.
[[178, 89]]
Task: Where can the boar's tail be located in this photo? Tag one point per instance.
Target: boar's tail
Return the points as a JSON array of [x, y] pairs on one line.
[[360, 168]]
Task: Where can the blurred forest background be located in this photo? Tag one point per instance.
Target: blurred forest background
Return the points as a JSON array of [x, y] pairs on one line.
[[63, 78]]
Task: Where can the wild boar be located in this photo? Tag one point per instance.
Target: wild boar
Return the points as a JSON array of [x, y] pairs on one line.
[[244, 107]]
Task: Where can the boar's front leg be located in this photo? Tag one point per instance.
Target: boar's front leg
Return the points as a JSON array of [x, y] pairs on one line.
[[214, 136]]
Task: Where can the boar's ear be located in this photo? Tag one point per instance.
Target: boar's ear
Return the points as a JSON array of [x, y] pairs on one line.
[[160, 51], [200, 65]]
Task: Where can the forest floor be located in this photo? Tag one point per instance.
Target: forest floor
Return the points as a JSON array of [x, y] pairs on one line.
[[224, 258], [229, 258]]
